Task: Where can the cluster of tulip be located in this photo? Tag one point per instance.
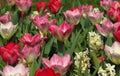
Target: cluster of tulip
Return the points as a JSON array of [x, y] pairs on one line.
[[41, 38]]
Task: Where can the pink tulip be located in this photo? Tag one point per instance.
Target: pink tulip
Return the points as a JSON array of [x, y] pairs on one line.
[[95, 17], [32, 46], [23, 5], [106, 28], [42, 22], [59, 64], [113, 52], [105, 4], [61, 32], [85, 9], [6, 18], [18, 70], [73, 16], [10, 2]]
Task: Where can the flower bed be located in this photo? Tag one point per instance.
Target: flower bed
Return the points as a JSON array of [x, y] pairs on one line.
[[59, 38]]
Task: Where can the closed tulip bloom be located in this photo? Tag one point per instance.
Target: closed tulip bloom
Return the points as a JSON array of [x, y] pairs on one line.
[[46, 72], [23, 5], [41, 5], [61, 32], [6, 18], [10, 52], [113, 52], [42, 22], [7, 30], [59, 64], [107, 28], [10, 2], [54, 6], [18, 70], [73, 16], [105, 4]]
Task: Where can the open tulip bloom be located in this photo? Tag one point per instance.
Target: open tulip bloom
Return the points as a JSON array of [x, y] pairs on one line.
[[59, 37]]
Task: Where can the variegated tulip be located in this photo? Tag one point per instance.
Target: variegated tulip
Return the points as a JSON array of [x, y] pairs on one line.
[[59, 64], [7, 30], [113, 52], [42, 22], [10, 2], [106, 28], [18, 70], [73, 16], [32, 46], [105, 4], [95, 16], [23, 5], [61, 32]]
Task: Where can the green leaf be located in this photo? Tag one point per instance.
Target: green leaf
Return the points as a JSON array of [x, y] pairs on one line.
[[15, 18], [2, 63], [48, 46], [33, 68], [109, 41]]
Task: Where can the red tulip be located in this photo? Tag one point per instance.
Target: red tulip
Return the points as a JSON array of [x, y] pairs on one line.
[[46, 72], [54, 6], [10, 52], [40, 6], [117, 34]]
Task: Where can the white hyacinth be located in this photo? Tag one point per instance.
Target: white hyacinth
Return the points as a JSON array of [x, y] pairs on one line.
[[108, 71], [82, 57], [95, 41]]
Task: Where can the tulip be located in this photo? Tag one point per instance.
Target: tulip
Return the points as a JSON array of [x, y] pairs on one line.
[[85, 9], [10, 2], [7, 30], [73, 16], [40, 6], [5, 18], [113, 52], [10, 52], [59, 64], [54, 6], [61, 32], [116, 34], [113, 12], [106, 28], [95, 16], [105, 4], [118, 17], [18, 70], [42, 22], [46, 72], [31, 49], [23, 5]]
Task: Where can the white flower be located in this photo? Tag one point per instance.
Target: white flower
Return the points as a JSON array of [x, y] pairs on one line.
[[95, 41], [108, 71], [84, 59]]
